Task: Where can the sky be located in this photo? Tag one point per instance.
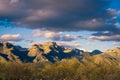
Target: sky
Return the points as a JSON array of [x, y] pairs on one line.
[[82, 24]]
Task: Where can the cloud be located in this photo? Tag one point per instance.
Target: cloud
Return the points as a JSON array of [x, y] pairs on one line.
[[69, 45], [57, 15], [51, 18], [10, 37], [53, 35], [116, 44], [31, 43], [95, 25], [107, 35], [68, 37], [106, 38], [113, 11], [13, 12], [47, 34], [14, 1]]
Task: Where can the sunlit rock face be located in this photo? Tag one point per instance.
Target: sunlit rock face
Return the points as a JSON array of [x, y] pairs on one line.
[[6, 52], [37, 53], [50, 51]]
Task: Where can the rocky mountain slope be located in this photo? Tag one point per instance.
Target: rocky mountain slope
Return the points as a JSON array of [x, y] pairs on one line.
[[48, 51], [9, 52]]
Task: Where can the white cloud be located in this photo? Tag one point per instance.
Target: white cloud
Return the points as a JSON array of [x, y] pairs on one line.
[[55, 36], [69, 45], [46, 33], [10, 37]]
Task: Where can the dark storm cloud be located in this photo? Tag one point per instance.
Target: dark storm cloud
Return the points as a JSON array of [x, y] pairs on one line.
[[12, 11], [113, 32], [57, 15]]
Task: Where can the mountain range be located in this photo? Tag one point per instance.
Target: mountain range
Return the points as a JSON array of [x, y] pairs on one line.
[[52, 52], [48, 51]]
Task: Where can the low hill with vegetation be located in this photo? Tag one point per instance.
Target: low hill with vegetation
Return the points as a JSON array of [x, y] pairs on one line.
[[67, 69]]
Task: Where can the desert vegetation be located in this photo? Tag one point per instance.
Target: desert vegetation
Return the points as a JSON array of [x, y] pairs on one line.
[[67, 69]]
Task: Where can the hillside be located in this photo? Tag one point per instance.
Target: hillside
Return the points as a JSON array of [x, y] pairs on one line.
[[111, 56]]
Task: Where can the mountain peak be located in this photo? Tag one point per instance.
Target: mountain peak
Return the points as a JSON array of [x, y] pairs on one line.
[[6, 45], [50, 43], [95, 52]]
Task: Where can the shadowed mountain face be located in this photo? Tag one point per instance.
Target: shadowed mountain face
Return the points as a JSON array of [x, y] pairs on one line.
[[48, 51], [95, 52]]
